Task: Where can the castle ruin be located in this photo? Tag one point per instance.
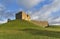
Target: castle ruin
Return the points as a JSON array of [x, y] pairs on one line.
[[23, 16]]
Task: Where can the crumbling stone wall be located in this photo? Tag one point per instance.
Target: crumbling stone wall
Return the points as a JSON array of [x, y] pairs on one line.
[[41, 23]]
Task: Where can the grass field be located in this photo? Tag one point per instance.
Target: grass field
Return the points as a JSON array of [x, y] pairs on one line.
[[20, 29]]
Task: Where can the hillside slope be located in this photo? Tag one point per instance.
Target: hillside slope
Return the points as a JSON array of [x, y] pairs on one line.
[[19, 24], [20, 29]]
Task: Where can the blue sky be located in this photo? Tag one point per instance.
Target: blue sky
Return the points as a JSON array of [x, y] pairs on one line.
[[47, 10]]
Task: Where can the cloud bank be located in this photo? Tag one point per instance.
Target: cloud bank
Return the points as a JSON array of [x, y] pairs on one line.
[[46, 12], [5, 14], [29, 3]]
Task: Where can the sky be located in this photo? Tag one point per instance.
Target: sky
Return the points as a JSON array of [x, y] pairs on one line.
[[42, 10]]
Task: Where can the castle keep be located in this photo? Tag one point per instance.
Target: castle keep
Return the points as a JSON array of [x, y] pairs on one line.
[[23, 16]]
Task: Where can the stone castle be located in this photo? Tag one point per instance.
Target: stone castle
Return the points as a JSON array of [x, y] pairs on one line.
[[23, 16]]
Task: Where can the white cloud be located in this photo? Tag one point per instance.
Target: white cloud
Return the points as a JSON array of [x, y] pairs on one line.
[[28, 3], [2, 7], [57, 19], [5, 21], [46, 11], [4, 14]]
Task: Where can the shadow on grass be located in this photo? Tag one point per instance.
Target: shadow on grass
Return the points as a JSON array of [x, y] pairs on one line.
[[42, 32]]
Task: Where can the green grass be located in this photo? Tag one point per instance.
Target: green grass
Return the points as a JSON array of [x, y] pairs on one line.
[[20, 29]]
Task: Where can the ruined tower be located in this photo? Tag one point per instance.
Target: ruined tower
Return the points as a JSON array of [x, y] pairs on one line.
[[23, 16]]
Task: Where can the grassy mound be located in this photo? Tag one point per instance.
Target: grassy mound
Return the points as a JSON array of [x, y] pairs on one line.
[[20, 29]]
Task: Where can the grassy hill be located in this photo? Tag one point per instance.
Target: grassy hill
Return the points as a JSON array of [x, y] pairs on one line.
[[20, 29]]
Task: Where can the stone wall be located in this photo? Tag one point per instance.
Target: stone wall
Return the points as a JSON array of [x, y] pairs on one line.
[[41, 23]]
